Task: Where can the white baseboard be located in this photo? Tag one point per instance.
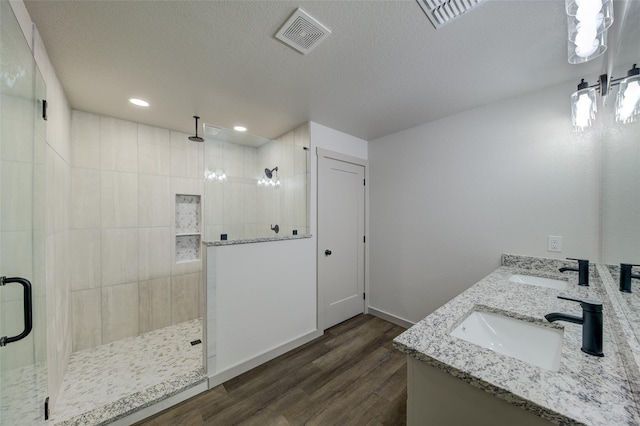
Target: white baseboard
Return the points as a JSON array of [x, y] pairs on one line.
[[161, 405], [391, 318], [222, 376]]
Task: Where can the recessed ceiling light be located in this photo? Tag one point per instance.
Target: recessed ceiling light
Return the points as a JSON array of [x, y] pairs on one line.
[[240, 128], [139, 102]]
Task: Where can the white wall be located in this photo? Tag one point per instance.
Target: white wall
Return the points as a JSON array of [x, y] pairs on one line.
[[265, 297], [334, 140], [449, 197]]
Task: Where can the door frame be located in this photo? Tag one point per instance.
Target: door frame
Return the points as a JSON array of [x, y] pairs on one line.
[[325, 153]]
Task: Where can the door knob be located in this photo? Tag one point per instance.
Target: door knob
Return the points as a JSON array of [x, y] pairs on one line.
[[327, 252]]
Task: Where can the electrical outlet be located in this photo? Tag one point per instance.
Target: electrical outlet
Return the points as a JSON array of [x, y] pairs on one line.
[[554, 243]]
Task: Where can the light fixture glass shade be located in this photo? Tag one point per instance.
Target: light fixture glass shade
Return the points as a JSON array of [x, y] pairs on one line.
[[598, 23], [583, 108], [587, 24], [628, 100], [219, 175], [586, 49]]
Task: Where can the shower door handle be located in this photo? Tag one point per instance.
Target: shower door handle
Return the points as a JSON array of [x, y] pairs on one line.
[[28, 311]]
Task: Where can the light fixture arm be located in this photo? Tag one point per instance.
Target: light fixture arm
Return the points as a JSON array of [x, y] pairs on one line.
[[604, 83]]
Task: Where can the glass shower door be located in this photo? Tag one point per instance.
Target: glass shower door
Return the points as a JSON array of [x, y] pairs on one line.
[[23, 371]]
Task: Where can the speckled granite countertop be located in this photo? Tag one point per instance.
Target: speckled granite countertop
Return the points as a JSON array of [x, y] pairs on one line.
[[586, 390], [255, 240]]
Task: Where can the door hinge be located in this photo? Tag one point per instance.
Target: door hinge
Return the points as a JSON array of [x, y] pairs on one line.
[[46, 409], [364, 239], [364, 182], [364, 296], [45, 104]]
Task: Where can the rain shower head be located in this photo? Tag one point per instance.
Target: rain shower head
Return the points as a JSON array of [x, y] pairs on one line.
[[196, 138], [269, 173]]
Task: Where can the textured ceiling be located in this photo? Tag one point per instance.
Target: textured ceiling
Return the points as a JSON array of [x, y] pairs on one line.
[[383, 69]]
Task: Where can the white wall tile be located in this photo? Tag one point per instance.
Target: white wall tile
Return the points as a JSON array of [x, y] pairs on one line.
[[49, 195], [214, 203], [118, 145], [155, 304], [154, 200], [58, 128], [119, 260], [87, 318], [186, 156], [154, 149], [86, 271], [119, 312], [85, 198], [62, 294], [17, 128], [62, 188], [154, 255], [300, 194], [185, 297], [233, 160], [16, 196], [12, 324], [40, 328], [85, 140], [52, 356], [233, 203], [16, 261], [119, 199]]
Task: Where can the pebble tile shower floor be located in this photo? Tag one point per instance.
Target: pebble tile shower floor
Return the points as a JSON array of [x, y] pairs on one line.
[[111, 381]]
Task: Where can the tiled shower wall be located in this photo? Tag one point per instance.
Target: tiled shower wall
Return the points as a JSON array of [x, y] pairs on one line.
[[240, 208], [124, 278], [289, 209]]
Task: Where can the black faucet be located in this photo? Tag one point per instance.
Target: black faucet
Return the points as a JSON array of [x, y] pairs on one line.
[[591, 321], [626, 276], [582, 270]]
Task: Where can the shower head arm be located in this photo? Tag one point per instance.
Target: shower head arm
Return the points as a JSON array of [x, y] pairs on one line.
[[196, 138]]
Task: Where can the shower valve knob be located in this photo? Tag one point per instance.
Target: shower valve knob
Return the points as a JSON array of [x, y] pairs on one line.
[[327, 252]]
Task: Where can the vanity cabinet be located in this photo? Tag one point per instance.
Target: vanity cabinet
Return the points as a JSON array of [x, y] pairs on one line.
[[438, 398]]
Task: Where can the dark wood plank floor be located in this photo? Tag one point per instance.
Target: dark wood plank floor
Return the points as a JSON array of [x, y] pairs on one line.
[[349, 376]]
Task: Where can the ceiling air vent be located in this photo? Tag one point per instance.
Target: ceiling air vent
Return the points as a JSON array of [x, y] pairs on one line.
[[302, 32], [442, 12]]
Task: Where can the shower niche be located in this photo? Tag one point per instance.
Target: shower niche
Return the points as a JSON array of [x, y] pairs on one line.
[[254, 186], [188, 225]]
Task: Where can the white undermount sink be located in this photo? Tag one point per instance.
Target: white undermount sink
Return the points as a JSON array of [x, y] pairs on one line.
[[538, 281], [534, 344]]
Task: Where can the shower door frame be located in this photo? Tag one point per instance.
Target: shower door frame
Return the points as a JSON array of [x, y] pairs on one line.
[[23, 355]]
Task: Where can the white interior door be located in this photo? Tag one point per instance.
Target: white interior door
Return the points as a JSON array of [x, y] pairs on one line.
[[341, 245]]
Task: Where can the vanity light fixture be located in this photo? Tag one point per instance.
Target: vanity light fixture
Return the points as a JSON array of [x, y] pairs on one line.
[[139, 102], [627, 107], [239, 128], [628, 100], [587, 22]]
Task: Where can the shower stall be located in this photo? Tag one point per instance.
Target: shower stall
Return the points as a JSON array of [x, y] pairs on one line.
[[102, 312]]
